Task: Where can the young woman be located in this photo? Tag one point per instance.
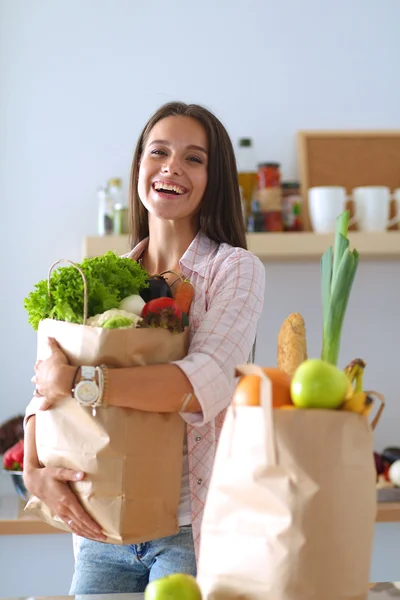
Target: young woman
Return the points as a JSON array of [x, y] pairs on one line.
[[186, 217]]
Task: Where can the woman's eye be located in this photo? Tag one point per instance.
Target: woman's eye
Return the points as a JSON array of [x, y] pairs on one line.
[[159, 152], [195, 159]]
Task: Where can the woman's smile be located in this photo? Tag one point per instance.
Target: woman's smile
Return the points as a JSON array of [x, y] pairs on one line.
[[169, 189]]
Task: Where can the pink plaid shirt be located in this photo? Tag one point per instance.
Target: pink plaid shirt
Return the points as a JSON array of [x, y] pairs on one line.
[[229, 294]]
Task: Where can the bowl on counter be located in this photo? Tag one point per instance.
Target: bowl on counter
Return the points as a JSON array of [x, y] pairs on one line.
[[19, 485]]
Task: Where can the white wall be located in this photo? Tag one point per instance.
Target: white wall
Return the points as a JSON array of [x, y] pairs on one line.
[[78, 80]]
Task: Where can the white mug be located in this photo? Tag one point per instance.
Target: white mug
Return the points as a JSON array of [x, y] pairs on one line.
[[372, 205], [325, 204]]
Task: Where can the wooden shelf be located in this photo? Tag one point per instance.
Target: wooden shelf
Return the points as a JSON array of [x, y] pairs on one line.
[[98, 245], [388, 512], [280, 247]]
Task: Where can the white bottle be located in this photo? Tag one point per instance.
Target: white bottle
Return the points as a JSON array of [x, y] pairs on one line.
[[105, 221]]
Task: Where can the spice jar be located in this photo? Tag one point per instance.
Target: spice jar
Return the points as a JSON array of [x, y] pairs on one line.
[[291, 206], [269, 195]]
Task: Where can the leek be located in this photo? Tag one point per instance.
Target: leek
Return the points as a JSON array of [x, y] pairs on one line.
[[337, 278]]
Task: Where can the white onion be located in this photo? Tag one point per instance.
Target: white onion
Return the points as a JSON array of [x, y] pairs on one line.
[[133, 304], [394, 473]]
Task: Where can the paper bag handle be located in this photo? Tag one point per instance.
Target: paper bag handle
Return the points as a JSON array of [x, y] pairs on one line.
[[266, 404], [378, 415], [85, 293]]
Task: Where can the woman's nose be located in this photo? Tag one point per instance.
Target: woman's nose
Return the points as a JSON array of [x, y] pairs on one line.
[[172, 165]]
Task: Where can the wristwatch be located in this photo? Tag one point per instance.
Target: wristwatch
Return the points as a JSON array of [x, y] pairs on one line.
[[87, 391]]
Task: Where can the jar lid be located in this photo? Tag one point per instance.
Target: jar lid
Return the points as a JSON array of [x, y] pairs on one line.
[[290, 185], [115, 182], [245, 142], [272, 165]]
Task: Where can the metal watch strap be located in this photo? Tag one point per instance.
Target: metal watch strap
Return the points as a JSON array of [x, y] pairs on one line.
[[88, 373]]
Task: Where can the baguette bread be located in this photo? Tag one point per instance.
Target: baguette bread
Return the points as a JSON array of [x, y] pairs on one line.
[[292, 343]]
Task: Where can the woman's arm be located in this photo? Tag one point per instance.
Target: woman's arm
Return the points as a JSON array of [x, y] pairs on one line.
[[31, 460], [154, 388]]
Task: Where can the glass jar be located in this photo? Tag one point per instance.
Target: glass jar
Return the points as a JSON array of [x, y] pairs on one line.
[[269, 195], [268, 175], [115, 190], [121, 219], [105, 215], [291, 206]]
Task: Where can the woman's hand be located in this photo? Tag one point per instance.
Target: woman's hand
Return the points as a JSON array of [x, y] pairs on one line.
[[50, 485], [52, 376]]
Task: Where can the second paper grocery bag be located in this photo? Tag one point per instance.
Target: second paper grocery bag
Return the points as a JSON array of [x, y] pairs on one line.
[[291, 507]]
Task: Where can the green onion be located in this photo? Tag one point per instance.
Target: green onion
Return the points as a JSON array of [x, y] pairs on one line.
[[336, 283]]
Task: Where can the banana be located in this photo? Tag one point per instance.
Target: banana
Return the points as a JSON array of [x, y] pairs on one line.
[[355, 371], [357, 400]]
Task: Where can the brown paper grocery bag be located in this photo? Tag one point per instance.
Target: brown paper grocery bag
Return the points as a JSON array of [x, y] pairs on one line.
[[291, 508], [132, 459]]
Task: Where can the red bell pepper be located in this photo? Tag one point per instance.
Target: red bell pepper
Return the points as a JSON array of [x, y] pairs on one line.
[[13, 459], [159, 304]]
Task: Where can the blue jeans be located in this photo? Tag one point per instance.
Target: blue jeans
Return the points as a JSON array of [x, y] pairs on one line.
[[109, 569]]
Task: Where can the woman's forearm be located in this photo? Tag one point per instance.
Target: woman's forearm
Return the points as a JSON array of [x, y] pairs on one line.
[[31, 460], [154, 388]]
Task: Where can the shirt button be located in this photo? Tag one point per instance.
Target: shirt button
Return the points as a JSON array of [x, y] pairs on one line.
[[198, 438], [199, 481]]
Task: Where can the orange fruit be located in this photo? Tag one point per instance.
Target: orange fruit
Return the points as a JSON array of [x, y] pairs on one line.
[[247, 392]]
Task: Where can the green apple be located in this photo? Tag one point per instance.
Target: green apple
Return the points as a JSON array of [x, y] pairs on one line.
[[178, 586], [318, 384]]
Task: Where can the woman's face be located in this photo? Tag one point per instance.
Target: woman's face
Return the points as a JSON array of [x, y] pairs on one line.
[[173, 169]]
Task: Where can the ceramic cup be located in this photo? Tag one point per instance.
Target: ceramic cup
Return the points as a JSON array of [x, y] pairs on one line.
[[325, 204], [372, 206]]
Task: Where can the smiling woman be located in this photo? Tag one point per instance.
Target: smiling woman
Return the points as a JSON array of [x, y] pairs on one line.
[[186, 217]]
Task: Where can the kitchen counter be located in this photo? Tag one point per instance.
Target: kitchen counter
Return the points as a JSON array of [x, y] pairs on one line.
[[380, 591], [13, 520], [388, 512]]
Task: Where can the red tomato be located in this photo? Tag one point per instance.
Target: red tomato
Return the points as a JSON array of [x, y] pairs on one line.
[[158, 304]]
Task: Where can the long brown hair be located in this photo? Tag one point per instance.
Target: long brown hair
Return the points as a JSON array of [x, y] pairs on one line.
[[220, 214]]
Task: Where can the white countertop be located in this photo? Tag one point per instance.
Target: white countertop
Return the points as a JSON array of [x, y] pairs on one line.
[[381, 591], [84, 597]]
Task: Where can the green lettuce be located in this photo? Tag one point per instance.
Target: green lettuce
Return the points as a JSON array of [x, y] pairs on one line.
[[110, 278]]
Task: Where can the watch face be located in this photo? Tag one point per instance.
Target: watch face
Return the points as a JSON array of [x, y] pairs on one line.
[[87, 392]]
